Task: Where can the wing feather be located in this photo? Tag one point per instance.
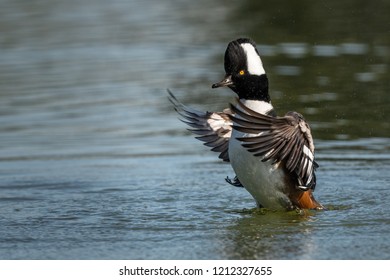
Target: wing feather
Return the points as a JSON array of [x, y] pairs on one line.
[[286, 139], [212, 128]]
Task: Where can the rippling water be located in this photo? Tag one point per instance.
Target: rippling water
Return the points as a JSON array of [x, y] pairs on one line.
[[94, 163]]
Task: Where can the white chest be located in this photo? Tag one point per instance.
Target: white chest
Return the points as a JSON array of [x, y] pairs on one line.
[[264, 181], [258, 106]]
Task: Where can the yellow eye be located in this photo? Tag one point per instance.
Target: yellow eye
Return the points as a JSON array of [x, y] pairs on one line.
[[242, 72]]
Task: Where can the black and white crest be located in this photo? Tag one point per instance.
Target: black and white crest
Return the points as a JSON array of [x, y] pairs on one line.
[[245, 74], [242, 54]]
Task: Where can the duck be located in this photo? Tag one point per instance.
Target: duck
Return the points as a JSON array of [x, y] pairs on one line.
[[272, 156]]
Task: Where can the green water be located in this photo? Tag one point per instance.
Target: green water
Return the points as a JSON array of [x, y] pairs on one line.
[[95, 165]]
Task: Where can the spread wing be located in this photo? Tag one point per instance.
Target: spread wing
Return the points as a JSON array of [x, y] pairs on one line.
[[286, 139], [213, 128]]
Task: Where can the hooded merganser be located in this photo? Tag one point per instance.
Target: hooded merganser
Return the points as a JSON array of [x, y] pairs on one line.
[[273, 157]]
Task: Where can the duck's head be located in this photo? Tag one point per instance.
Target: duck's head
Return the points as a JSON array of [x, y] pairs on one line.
[[245, 73]]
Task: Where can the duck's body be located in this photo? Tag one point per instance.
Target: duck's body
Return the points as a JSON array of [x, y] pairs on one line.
[[263, 180], [273, 157]]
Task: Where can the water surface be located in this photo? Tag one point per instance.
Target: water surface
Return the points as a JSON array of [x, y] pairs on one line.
[[95, 165]]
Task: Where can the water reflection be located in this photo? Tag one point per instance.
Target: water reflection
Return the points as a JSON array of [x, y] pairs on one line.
[[270, 236]]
